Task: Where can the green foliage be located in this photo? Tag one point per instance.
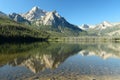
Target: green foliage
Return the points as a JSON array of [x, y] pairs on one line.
[[10, 28], [9, 52], [58, 51], [60, 31]]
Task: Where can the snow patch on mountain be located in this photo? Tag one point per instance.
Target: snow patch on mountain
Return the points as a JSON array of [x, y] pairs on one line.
[[34, 13], [103, 25], [52, 18]]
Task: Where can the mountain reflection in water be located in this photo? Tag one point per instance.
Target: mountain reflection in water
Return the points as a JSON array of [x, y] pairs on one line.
[[48, 60]]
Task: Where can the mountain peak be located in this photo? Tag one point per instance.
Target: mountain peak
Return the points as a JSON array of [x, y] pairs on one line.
[[84, 26], [52, 18], [53, 15], [35, 8], [106, 23], [34, 13], [54, 11]]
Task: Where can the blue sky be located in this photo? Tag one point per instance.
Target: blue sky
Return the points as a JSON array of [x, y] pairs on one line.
[[75, 11]]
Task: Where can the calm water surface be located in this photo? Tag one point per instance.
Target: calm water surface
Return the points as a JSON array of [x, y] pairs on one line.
[[60, 61]]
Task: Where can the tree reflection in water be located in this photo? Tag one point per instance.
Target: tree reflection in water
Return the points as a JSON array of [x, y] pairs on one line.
[[58, 58]]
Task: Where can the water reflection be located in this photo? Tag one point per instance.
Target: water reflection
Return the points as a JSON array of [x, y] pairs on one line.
[[63, 60]]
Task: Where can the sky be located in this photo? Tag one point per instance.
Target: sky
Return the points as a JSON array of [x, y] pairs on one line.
[[74, 11]]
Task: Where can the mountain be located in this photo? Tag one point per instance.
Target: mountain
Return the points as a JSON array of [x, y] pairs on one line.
[[104, 29], [103, 25], [55, 23], [115, 23], [36, 24], [18, 18], [53, 18], [51, 22], [12, 31], [34, 13], [2, 14], [84, 26], [113, 31]]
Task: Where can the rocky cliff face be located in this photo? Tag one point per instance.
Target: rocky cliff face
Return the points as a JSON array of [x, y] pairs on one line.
[[58, 22], [105, 28], [34, 14], [18, 18], [103, 25], [48, 21], [52, 18]]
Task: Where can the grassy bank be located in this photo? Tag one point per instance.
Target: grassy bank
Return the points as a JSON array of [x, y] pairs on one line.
[[86, 39]]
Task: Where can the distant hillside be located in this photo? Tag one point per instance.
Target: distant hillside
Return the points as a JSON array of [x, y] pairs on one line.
[[51, 22], [13, 31], [18, 18], [55, 24], [104, 29], [38, 24], [2, 14]]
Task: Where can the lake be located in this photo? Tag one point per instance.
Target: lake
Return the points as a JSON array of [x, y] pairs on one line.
[[60, 61]]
